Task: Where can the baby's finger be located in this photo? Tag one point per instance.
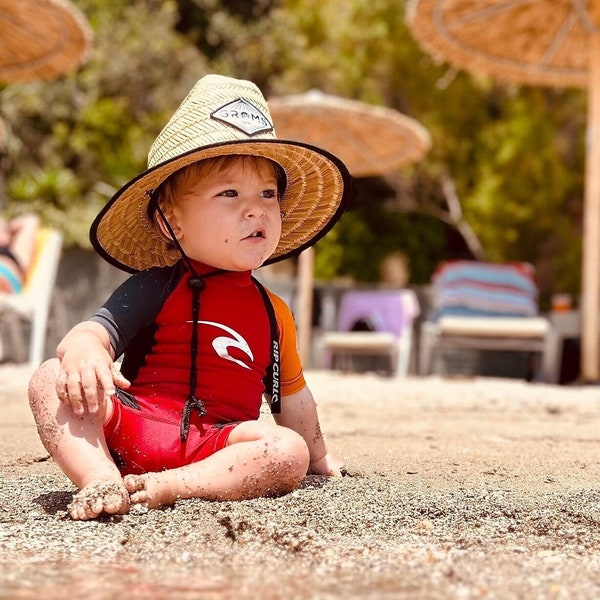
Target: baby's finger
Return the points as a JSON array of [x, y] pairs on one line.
[[119, 378], [74, 394], [107, 383], [89, 387], [61, 387]]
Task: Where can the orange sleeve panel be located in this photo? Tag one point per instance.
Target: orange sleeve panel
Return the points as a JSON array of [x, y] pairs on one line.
[[292, 377]]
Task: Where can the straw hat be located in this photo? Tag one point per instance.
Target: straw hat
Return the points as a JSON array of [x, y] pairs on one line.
[[223, 116]]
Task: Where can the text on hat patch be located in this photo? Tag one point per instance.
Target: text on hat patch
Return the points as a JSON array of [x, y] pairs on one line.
[[243, 116]]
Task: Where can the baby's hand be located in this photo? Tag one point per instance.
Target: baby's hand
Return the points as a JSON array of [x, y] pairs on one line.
[[328, 465], [87, 377]]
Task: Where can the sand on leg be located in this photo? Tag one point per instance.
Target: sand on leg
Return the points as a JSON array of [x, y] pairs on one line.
[[260, 459], [77, 445]]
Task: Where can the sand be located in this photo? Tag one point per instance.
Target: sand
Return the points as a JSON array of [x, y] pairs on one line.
[[457, 488]]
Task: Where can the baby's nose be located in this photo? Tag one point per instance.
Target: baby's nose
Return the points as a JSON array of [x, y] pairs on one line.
[[254, 209]]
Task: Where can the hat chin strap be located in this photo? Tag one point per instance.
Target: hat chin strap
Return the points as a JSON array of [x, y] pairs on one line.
[[196, 284], [174, 239]]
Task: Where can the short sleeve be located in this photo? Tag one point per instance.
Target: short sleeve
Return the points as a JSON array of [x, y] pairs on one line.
[[292, 377], [135, 304]]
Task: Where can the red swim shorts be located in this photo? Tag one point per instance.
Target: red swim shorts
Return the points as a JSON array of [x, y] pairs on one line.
[[143, 436]]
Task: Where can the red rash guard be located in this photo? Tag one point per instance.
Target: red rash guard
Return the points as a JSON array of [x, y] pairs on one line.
[[150, 318]]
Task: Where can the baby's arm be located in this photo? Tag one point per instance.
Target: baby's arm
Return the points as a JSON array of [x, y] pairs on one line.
[[87, 373], [299, 412]]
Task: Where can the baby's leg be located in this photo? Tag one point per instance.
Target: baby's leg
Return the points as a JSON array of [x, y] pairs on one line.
[[78, 446], [260, 460]]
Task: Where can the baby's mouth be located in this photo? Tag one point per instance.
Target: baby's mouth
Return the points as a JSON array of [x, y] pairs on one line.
[[256, 235]]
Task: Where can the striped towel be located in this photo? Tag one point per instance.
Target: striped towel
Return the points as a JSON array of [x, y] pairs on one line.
[[471, 288]]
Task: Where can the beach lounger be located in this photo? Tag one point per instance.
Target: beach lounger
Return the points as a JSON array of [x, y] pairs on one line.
[[386, 319], [28, 311], [485, 306]]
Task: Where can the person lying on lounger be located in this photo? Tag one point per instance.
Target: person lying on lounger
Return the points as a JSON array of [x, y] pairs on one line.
[[17, 245]]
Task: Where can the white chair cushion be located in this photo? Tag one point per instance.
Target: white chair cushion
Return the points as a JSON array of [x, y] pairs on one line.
[[517, 327], [365, 340]]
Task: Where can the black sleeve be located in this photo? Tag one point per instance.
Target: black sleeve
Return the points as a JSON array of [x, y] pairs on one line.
[[135, 304]]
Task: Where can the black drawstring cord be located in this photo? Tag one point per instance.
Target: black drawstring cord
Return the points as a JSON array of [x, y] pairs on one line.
[[174, 239], [196, 284]]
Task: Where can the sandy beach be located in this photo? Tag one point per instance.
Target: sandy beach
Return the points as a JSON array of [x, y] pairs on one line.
[[456, 488]]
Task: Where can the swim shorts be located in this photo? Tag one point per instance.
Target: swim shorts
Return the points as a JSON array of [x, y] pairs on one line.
[[143, 435]]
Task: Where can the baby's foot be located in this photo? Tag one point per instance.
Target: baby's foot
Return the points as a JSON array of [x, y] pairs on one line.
[[147, 490], [99, 498]]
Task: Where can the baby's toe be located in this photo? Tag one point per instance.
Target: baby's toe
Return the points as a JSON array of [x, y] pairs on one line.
[[84, 508], [136, 486], [114, 504], [99, 498], [134, 483]]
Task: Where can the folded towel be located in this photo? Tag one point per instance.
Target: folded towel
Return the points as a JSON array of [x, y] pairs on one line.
[[472, 288]]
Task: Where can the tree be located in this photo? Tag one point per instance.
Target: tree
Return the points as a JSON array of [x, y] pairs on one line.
[[505, 169], [512, 157], [73, 142]]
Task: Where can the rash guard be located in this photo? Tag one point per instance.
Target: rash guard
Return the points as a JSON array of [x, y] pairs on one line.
[[149, 322]]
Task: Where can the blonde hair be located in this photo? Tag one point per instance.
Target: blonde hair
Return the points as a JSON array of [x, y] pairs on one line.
[[167, 193]]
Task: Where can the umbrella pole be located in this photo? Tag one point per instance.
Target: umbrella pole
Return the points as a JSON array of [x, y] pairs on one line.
[[305, 300], [590, 294]]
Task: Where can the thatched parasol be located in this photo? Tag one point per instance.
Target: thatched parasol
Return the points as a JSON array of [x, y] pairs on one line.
[[41, 39], [370, 139], [536, 42]]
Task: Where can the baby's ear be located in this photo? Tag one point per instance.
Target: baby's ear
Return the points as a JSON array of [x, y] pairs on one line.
[[164, 229]]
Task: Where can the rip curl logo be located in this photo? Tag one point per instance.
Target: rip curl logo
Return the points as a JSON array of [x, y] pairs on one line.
[[243, 116], [275, 394], [222, 343]]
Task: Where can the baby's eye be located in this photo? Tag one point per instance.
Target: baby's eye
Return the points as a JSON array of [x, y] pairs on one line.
[[270, 193], [229, 193]]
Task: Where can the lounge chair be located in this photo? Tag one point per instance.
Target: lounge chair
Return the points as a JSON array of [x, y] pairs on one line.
[[29, 310], [386, 317], [486, 306]]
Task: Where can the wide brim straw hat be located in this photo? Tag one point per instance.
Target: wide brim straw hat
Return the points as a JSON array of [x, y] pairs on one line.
[[222, 116]]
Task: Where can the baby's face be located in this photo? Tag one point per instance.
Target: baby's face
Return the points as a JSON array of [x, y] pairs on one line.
[[230, 219]]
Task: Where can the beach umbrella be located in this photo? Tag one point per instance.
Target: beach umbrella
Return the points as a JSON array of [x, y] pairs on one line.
[[41, 39], [370, 139], [534, 42]]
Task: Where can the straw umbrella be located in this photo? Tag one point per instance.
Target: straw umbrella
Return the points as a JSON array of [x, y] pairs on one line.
[[371, 140], [535, 42], [41, 39]]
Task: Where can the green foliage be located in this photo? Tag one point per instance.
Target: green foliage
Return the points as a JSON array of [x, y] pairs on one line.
[[73, 142], [364, 237], [514, 154]]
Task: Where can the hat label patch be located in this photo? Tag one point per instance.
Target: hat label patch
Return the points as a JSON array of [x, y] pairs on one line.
[[243, 116]]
